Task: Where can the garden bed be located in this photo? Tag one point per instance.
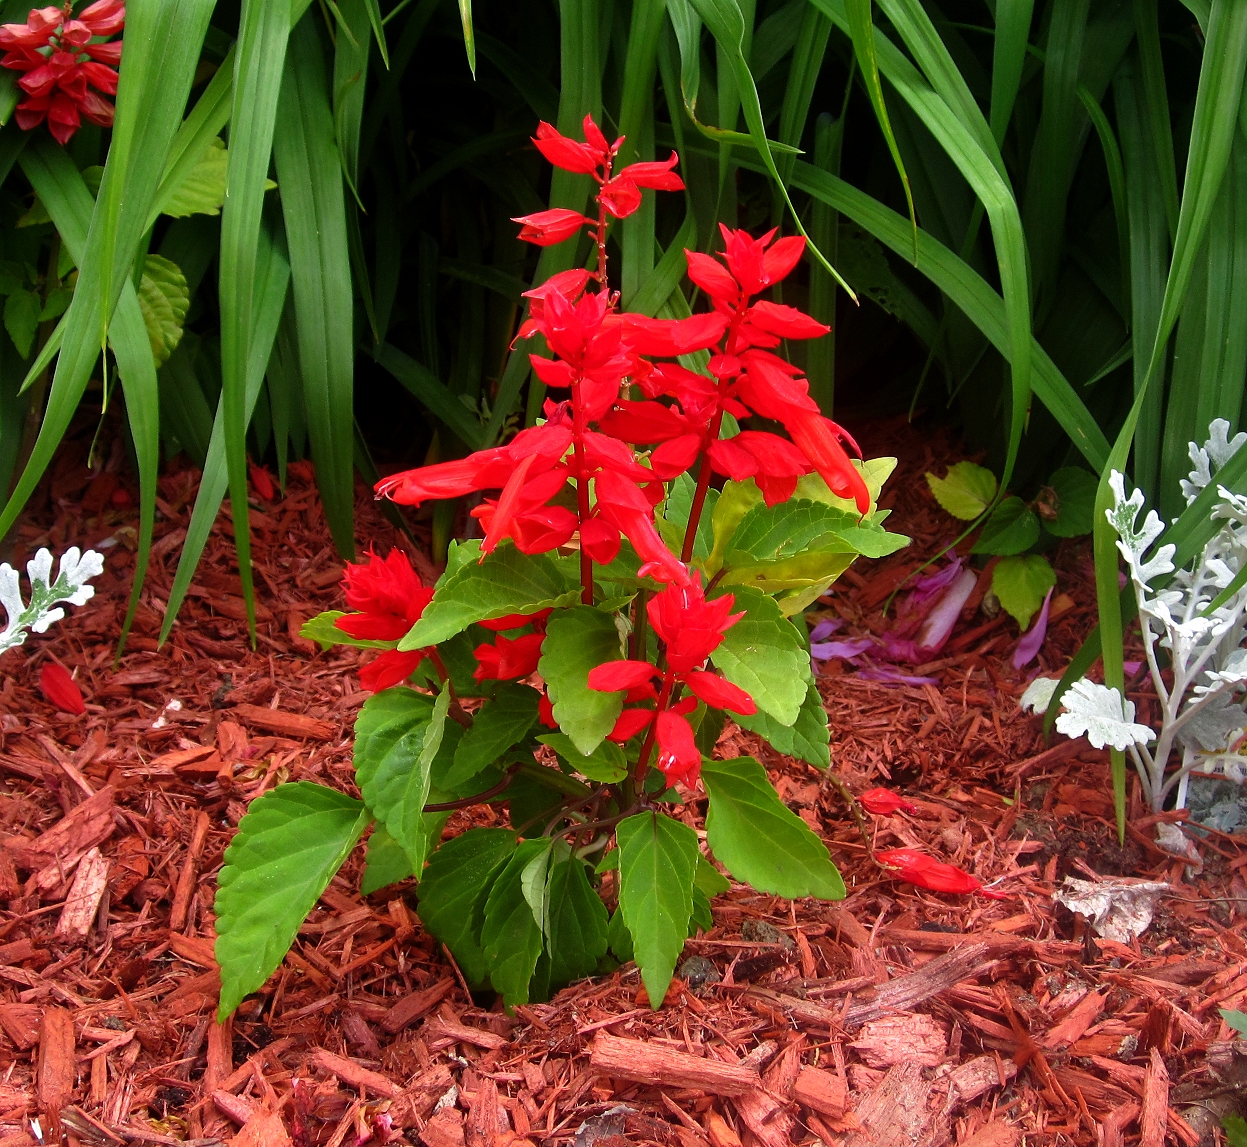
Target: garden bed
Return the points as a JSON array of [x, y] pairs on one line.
[[895, 1017]]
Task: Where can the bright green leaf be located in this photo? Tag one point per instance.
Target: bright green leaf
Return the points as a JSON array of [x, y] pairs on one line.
[[735, 501], [576, 923], [701, 919], [577, 640], [709, 879], [807, 738], [966, 491], [764, 654], [385, 862], [759, 840], [619, 938], [164, 300], [56, 304], [21, 319], [1235, 1128], [322, 630], [1021, 583], [1074, 489], [287, 849], [1012, 528], [510, 938], [607, 763], [501, 723], [1236, 1019]]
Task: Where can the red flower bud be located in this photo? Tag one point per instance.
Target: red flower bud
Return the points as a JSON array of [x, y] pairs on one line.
[[884, 802], [60, 689], [927, 872]]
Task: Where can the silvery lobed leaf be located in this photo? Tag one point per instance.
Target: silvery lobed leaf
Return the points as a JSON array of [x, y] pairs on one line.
[[1214, 727], [71, 586], [1217, 451], [1038, 695], [1134, 543], [1233, 671], [1103, 715]]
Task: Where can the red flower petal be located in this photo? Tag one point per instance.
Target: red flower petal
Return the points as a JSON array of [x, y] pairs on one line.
[[884, 802], [60, 689], [927, 872], [630, 723], [566, 153], [615, 676], [678, 754], [545, 228], [712, 689], [389, 669]]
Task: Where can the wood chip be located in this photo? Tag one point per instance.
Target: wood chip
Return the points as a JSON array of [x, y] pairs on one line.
[[411, 1008], [640, 1062], [83, 901], [263, 1129], [822, 1091], [350, 1072], [285, 724], [445, 1129], [1074, 1026], [994, 1134], [1155, 1103], [55, 1071], [895, 1113], [913, 1038], [461, 1033], [931, 979], [89, 824]]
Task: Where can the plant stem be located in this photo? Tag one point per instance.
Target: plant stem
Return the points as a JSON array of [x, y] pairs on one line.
[[468, 802], [642, 764], [456, 711]]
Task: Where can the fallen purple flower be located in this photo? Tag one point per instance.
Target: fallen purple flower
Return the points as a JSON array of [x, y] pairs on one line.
[[900, 649], [927, 587], [943, 616], [849, 649], [891, 676], [1132, 667], [824, 629], [1033, 639]]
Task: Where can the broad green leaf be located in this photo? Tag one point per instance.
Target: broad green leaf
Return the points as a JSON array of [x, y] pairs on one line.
[[164, 300], [606, 763], [202, 191], [1235, 1019], [874, 472], [504, 582], [817, 567], [1021, 583], [1074, 489], [1012, 528], [761, 841], [501, 723], [808, 738], [965, 491], [56, 304], [453, 889], [1235, 1128], [397, 734], [533, 882], [578, 640], [784, 530], [735, 500], [287, 849], [21, 319], [657, 863], [385, 863], [577, 923], [322, 629], [764, 654], [701, 919], [709, 879], [510, 938], [619, 938], [676, 510]]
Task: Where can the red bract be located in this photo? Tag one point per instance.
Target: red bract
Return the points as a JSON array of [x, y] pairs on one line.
[[59, 62], [927, 872], [884, 802], [690, 626], [545, 228], [515, 621], [389, 600], [508, 659], [678, 754], [60, 689]]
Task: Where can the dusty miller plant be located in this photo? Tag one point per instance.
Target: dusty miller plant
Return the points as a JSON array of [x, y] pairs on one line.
[[1198, 618], [71, 588]]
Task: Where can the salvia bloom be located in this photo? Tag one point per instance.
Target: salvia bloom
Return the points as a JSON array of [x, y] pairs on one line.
[[927, 872], [389, 600], [884, 802], [65, 66], [60, 689]]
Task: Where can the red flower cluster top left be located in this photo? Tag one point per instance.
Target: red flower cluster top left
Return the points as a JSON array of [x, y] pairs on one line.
[[66, 64]]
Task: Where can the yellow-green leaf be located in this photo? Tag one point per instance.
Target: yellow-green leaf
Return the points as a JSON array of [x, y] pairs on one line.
[[164, 300]]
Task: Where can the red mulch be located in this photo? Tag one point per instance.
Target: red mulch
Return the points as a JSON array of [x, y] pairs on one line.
[[894, 1018]]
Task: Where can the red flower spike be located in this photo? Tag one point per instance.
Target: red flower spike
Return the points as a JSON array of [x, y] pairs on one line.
[[678, 755], [691, 627], [567, 153], [387, 595], [926, 872], [620, 197], [658, 176], [617, 676], [508, 660], [60, 689], [630, 723], [884, 802], [712, 277], [545, 228], [389, 669], [714, 690]]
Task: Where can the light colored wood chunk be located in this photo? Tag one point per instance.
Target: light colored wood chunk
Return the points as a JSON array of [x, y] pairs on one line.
[[641, 1062], [914, 1038], [85, 894]]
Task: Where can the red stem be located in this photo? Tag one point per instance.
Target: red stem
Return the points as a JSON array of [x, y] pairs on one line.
[[642, 764]]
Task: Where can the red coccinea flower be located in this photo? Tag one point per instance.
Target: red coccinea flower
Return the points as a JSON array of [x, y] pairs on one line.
[[884, 802], [678, 754], [508, 659], [389, 600], [927, 872], [59, 61], [690, 626], [545, 228], [60, 689], [516, 621]]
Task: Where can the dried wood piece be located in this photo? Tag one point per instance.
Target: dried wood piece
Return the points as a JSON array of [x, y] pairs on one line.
[[263, 1129], [1115, 1124], [720, 1131], [445, 1129], [451, 1029], [1074, 1026], [977, 1077], [997, 943], [411, 1008], [641, 1062], [910, 1038], [1155, 1103], [89, 824], [821, 1091], [85, 894], [994, 1134], [235, 1107], [21, 1024], [931, 979], [895, 1113], [193, 949], [285, 724], [186, 878], [54, 1074], [761, 1111], [176, 758], [481, 1128], [220, 1054], [350, 1072]]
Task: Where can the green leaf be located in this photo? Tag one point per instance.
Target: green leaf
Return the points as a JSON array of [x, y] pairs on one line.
[[701, 919], [1074, 488], [506, 581], [510, 936], [164, 300], [397, 734], [577, 922], [21, 319], [1012, 528], [764, 654], [56, 304], [202, 190], [784, 530], [735, 500], [607, 763], [759, 840], [708, 879], [287, 849], [1236, 1019], [1021, 583], [1235, 1129], [322, 629], [808, 738], [619, 938], [966, 491], [657, 863], [501, 723], [453, 889], [385, 862], [577, 640]]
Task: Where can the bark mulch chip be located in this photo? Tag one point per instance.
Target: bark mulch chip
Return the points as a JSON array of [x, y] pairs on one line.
[[895, 1018]]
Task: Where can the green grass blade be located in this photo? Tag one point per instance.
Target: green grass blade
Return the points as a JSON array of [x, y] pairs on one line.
[[469, 35], [668, 273], [313, 206], [378, 29], [640, 64], [1116, 180], [1013, 24], [803, 73], [431, 393], [350, 79], [1156, 105]]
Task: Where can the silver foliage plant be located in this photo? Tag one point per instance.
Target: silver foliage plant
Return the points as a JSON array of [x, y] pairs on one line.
[[71, 587], [1199, 617]]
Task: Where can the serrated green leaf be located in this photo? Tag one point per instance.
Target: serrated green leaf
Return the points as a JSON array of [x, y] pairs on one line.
[[765, 655], [499, 724], [21, 319], [506, 581], [675, 514], [1235, 1019], [709, 879], [808, 738], [618, 938], [202, 191], [759, 840], [1074, 488], [12, 276], [164, 299], [874, 472], [1235, 1128], [966, 491], [735, 500], [322, 630], [768, 533], [657, 864], [701, 919], [578, 640], [1012, 528], [453, 890], [287, 849], [576, 923], [607, 763], [533, 882], [510, 938], [1021, 583], [56, 304], [385, 862]]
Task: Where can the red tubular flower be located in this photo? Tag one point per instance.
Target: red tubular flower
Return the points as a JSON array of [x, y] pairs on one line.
[[678, 754], [691, 627], [581, 158], [630, 723], [545, 228], [621, 196], [545, 711], [60, 689], [617, 676], [507, 659], [927, 872], [884, 802], [667, 338], [772, 462], [390, 668], [714, 690], [515, 621]]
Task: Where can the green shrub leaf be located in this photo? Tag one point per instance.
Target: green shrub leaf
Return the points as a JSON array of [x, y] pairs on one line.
[[1021, 583], [21, 319], [709, 879], [324, 632], [701, 919], [764, 654], [576, 923], [506, 581], [607, 763], [735, 501], [453, 890], [808, 738], [386, 862], [287, 849], [510, 936], [1012, 528], [657, 863], [768, 533], [1235, 1128], [759, 840], [965, 491], [164, 299], [501, 723], [1075, 489], [619, 938], [577, 640]]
